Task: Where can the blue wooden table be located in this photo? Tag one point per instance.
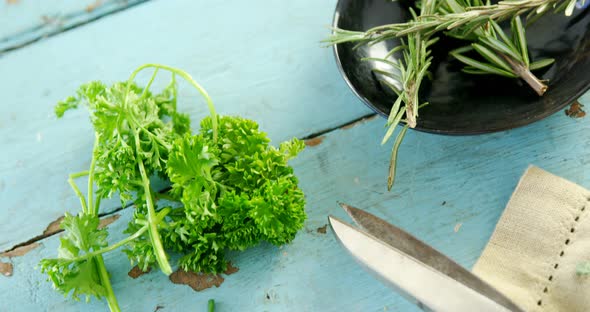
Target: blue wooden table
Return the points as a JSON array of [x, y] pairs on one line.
[[262, 60]]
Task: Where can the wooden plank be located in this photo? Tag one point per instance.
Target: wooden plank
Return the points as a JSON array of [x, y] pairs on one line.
[[270, 68], [23, 22], [450, 193]]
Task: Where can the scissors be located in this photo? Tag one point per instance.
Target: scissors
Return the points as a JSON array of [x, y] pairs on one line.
[[417, 271]]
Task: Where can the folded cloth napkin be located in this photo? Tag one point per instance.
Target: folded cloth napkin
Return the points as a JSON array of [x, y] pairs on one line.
[[543, 234]]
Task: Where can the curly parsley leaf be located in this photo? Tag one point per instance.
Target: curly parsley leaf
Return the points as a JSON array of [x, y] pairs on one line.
[[72, 273], [233, 189], [65, 105], [236, 192]]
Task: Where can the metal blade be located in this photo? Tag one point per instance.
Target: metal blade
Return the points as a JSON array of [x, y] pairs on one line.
[[414, 248], [431, 290]]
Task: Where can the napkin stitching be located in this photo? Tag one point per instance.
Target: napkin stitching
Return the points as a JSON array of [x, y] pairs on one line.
[[581, 211]]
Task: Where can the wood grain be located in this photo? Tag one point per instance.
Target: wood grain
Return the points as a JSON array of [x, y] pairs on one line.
[[443, 181], [263, 60], [24, 22]]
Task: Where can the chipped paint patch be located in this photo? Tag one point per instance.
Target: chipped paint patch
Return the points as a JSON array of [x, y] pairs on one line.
[[52, 20], [136, 272], [91, 7], [6, 268], [575, 110], [196, 281], [314, 141], [359, 122], [20, 251], [53, 227], [231, 269], [271, 296], [108, 220]]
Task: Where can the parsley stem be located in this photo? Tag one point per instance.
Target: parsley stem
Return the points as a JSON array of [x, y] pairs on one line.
[[97, 203], [145, 90], [166, 196], [152, 217], [112, 247], [79, 174], [106, 282], [99, 261], [77, 190], [190, 80], [122, 242], [91, 209], [211, 306]]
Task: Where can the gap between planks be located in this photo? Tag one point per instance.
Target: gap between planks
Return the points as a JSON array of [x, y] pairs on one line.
[[344, 126], [310, 140]]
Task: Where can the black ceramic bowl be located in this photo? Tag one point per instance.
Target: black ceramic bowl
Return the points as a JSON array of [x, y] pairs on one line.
[[470, 104]]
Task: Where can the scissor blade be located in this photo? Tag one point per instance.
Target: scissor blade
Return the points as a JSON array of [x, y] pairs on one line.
[[414, 248], [429, 289]]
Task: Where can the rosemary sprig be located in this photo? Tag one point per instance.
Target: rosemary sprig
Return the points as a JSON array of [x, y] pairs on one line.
[[502, 55], [413, 67], [464, 19], [471, 19]]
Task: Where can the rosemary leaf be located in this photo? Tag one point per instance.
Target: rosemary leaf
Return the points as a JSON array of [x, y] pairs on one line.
[[491, 56], [541, 63], [393, 159], [520, 39], [483, 66], [501, 47], [392, 126]]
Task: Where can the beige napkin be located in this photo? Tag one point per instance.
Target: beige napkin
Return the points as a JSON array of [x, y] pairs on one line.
[[542, 236]]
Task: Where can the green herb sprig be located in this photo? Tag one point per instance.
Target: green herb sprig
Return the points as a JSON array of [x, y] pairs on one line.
[[470, 20], [499, 54], [229, 188], [413, 69]]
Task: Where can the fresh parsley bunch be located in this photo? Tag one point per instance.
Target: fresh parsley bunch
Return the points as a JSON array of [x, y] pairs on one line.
[[232, 188]]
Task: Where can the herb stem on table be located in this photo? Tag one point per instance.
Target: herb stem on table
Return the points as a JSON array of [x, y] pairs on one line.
[[165, 196], [413, 68], [106, 283], [231, 189], [94, 258], [190, 80], [153, 226], [463, 19], [472, 18], [77, 189], [525, 74], [93, 210], [113, 246], [501, 55]]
